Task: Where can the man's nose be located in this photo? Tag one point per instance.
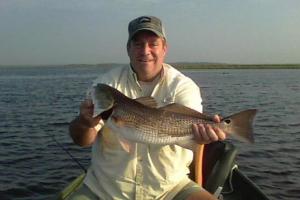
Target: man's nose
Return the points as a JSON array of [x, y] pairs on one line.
[[146, 49]]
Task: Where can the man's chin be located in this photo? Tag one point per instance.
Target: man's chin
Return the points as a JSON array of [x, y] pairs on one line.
[[145, 64]]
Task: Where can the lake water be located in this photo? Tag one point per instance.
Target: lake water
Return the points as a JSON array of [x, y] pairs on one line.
[[37, 103]]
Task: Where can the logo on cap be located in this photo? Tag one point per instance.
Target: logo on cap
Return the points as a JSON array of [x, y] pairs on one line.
[[144, 19]]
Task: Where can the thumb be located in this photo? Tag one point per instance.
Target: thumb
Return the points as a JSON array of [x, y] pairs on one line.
[[217, 118], [98, 117]]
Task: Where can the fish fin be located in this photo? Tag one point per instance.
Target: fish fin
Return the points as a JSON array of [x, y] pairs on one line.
[[180, 109], [147, 101], [126, 145], [240, 125], [188, 144]]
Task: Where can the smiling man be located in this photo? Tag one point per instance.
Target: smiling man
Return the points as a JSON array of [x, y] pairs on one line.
[[149, 171], [146, 50]]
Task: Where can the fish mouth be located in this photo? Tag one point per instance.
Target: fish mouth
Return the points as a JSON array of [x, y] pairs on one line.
[[103, 98], [106, 114]]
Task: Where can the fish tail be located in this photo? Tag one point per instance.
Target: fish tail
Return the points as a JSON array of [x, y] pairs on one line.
[[241, 125]]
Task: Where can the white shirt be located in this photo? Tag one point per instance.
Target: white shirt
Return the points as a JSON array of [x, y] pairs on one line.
[[150, 171]]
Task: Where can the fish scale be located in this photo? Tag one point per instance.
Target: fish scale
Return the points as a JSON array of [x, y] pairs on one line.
[[159, 126]]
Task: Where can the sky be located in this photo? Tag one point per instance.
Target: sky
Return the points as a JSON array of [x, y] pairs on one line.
[[55, 32]]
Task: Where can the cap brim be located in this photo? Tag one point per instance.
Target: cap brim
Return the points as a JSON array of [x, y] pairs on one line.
[[159, 34]]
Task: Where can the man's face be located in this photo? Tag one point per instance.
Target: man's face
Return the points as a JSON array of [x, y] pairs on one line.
[[147, 53]]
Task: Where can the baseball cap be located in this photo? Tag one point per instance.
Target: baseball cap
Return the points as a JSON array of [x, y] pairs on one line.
[[149, 23]]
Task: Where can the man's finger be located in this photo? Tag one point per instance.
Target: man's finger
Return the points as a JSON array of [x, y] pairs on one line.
[[204, 133], [217, 118], [196, 132], [221, 135], [211, 134], [86, 103], [98, 118]]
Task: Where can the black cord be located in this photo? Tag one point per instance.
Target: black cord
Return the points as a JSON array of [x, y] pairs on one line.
[[65, 150]]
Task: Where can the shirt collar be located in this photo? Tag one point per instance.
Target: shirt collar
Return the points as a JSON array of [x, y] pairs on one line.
[[133, 75]]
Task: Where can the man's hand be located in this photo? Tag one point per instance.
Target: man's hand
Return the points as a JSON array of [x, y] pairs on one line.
[[87, 112], [205, 133], [82, 128]]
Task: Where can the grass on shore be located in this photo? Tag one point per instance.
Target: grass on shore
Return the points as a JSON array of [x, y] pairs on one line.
[[234, 66]]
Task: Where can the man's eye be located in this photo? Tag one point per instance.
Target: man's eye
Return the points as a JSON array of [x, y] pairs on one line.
[[137, 44]]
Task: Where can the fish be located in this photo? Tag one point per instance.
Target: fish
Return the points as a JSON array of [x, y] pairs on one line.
[[141, 121]]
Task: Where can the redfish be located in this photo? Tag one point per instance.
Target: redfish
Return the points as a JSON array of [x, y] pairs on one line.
[[138, 120]]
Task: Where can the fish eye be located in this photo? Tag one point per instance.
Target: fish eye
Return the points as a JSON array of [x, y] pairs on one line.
[[227, 121]]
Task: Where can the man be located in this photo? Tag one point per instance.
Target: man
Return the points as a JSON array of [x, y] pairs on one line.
[[149, 172]]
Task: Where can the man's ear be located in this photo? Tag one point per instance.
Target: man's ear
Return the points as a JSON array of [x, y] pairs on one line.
[[128, 47], [165, 48]]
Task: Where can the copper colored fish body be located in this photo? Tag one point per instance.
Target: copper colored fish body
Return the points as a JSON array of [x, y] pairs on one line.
[[140, 121]]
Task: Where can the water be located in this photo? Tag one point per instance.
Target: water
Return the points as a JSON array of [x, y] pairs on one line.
[[37, 103]]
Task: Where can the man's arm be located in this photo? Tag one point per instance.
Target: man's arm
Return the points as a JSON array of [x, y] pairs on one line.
[[83, 128]]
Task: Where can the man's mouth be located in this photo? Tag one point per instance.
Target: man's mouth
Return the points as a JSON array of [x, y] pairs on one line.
[[144, 60]]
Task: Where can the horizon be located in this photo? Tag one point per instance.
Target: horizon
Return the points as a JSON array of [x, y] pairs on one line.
[[39, 33]]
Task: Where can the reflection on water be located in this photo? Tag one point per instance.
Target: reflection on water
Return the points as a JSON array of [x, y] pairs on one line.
[[39, 102]]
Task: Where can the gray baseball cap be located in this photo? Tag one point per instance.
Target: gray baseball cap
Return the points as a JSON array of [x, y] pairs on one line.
[[149, 23]]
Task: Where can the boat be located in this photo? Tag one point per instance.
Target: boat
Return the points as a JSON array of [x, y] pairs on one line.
[[214, 167]]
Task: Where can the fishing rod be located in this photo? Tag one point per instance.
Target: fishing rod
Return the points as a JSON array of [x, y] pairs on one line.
[[66, 151]]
